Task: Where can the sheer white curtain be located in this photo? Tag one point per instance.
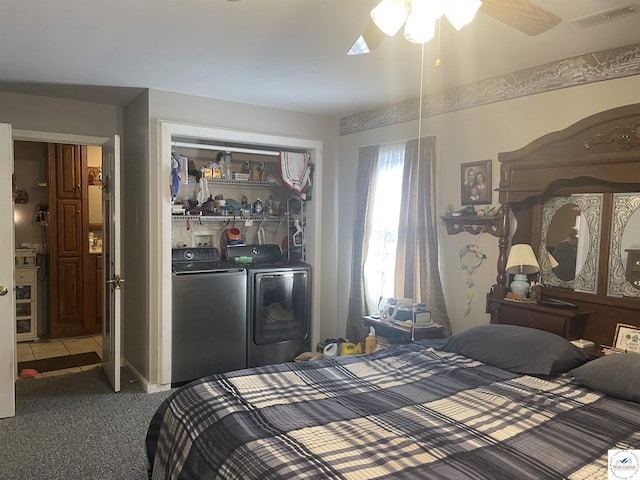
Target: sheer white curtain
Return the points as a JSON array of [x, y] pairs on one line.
[[382, 229]]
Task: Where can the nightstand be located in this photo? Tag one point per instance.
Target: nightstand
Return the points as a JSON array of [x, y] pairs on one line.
[[566, 322], [593, 352]]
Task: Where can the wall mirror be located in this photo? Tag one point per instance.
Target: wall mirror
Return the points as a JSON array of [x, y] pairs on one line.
[[624, 272], [95, 205], [570, 241]]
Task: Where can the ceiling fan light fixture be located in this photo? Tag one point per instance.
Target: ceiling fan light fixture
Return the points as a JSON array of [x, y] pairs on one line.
[[419, 30], [420, 26], [461, 12], [389, 15]]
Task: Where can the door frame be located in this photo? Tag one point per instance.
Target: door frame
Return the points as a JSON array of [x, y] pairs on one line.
[[160, 231], [53, 137]]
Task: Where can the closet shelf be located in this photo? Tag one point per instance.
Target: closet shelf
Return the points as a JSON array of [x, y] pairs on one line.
[[473, 225], [244, 183], [229, 218]]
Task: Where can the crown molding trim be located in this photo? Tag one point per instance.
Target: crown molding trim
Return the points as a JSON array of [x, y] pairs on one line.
[[580, 70]]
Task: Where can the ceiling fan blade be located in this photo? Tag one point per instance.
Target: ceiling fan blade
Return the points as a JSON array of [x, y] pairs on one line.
[[521, 15], [371, 35]]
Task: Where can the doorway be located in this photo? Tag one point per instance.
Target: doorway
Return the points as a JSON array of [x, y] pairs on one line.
[[37, 349]]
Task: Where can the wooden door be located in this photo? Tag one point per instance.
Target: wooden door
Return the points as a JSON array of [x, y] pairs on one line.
[[68, 243]]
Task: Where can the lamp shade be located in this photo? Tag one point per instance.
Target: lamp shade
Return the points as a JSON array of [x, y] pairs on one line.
[[461, 12], [552, 261], [389, 15], [522, 260]]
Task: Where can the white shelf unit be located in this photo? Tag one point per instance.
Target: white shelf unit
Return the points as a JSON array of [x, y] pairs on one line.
[[280, 226], [26, 279]]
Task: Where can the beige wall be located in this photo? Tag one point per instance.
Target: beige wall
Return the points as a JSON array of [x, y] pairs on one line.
[[471, 135], [45, 114], [30, 160], [135, 242]]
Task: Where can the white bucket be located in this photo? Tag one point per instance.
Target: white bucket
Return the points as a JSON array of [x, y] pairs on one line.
[[330, 350]]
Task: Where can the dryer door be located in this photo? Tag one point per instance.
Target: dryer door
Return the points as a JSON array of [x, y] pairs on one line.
[[281, 306]]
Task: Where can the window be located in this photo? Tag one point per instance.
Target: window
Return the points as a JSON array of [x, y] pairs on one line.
[[382, 229]]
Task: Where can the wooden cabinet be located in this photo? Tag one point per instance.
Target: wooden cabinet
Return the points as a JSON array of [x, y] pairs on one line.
[[69, 297], [69, 232], [26, 280], [566, 322], [73, 310], [68, 169]]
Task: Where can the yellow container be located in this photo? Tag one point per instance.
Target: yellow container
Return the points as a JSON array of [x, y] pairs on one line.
[[350, 349]]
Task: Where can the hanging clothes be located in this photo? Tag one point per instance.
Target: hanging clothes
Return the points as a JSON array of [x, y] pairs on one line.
[[178, 173], [202, 191]]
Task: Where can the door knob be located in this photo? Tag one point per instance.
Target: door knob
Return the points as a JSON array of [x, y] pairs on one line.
[[116, 281], [3, 290]]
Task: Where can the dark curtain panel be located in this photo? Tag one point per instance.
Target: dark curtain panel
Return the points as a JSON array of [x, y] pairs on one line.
[[368, 159], [417, 273]]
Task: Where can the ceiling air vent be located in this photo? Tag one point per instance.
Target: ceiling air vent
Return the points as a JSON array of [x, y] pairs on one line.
[[606, 15]]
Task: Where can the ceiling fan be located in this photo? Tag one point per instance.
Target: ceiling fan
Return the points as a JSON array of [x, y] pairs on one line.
[[522, 15]]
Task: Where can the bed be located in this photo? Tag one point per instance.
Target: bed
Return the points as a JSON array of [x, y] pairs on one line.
[[493, 402]]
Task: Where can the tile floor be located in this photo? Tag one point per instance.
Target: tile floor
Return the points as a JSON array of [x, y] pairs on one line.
[[45, 348]]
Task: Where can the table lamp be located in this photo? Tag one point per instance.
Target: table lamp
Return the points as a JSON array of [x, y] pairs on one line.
[[552, 261], [521, 262]]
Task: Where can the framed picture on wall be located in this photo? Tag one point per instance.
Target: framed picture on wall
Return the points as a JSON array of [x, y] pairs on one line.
[[475, 184]]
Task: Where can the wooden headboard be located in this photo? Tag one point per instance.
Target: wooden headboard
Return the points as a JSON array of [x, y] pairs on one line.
[[600, 153]]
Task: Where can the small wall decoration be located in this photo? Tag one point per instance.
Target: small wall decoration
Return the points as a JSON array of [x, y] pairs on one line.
[[94, 175], [627, 338], [21, 196], [475, 184], [471, 257]]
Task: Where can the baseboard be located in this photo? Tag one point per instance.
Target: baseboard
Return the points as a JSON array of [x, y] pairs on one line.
[[146, 386]]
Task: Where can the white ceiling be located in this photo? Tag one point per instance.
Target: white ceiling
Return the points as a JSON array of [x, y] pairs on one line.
[[288, 54]]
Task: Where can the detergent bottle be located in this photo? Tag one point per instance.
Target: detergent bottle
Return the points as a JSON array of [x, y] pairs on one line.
[[370, 342], [350, 348]]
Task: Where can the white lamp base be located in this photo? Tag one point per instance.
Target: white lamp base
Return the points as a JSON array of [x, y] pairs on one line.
[[520, 285]]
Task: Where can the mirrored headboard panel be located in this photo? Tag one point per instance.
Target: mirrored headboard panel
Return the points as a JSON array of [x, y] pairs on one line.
[[624, 250], [574, 197], [569, 250]]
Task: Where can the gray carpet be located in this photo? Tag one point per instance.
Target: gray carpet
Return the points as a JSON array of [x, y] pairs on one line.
[[75, 427]]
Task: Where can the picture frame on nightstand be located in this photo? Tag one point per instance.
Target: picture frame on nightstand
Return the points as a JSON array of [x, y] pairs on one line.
[[627, 338]]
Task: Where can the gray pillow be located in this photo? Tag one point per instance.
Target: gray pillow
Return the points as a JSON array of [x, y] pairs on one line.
[[517, 349], [614, 375]]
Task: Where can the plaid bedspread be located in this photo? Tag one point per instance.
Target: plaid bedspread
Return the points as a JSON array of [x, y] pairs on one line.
[[403, 413]]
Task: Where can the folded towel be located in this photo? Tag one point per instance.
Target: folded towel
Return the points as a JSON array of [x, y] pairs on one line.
[[277, 313], [295, 170]]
